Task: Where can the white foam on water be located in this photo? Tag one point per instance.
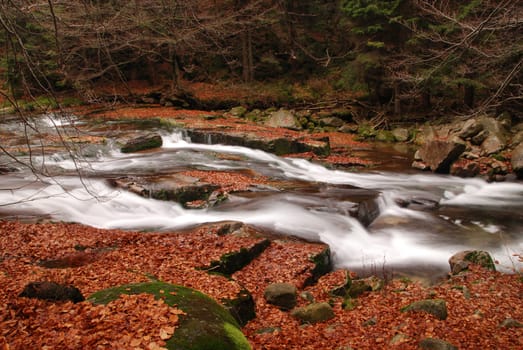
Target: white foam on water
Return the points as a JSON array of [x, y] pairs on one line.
[[66, 198]]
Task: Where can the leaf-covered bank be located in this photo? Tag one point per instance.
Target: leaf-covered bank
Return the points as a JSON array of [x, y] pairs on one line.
[[484, 307]]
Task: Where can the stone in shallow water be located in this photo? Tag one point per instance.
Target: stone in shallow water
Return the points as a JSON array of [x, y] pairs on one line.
[[143, 142], [178, 188]]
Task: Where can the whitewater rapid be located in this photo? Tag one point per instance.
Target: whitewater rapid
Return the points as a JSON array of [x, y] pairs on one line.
[[398, 237]]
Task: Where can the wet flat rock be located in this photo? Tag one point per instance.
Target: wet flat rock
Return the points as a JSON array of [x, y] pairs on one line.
[[265, 140], [176, 187]]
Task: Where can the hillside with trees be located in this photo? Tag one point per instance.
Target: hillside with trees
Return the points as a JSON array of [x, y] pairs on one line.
[[401, 57]]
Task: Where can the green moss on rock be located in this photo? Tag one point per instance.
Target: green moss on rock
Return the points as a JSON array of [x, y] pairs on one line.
[[234, 261], [436, 307], [242, 308], [385, 136], [481, 258], [206, 326], [142, 143], [322, 265]]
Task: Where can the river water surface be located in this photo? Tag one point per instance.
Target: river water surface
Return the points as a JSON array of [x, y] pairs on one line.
[[461, 213]]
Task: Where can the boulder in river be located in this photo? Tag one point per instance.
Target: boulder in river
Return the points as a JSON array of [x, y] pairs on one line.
[[439, 154], [400, 134], [176, 187], [334, 122], [496, 139], [470, 129], [368, 211], [272, 143], [464, 168], [143, 142]]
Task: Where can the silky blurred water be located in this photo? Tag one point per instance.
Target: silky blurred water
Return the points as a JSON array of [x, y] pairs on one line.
[[470, 213]]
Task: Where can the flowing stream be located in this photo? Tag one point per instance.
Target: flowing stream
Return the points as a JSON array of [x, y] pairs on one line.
[[467, 213]]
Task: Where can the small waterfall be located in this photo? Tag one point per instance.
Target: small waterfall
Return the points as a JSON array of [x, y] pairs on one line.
[[177, 137]]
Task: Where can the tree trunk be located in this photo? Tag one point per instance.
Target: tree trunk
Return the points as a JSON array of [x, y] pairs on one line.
[[397, 98], [468, 96], [175, 69], [425, 99], [247, 59]]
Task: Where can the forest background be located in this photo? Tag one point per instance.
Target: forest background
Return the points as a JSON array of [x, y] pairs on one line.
[[401, 57]]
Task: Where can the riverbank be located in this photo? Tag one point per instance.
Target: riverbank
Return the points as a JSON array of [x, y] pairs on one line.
[[483, 306]]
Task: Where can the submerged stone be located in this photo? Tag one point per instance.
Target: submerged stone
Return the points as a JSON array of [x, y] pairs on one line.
[[368, 211]]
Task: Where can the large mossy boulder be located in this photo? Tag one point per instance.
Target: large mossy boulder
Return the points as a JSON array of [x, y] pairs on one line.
[[206, 324], [360, 286]]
